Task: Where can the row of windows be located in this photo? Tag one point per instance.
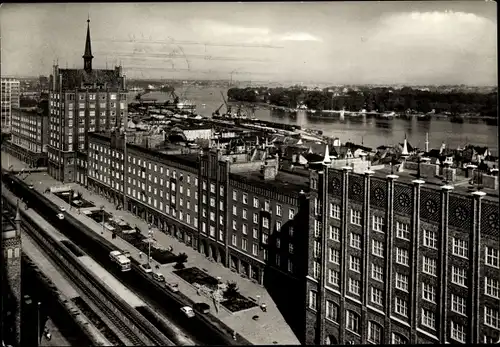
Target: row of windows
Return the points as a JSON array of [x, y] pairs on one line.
[[428, 317], [267, 205]]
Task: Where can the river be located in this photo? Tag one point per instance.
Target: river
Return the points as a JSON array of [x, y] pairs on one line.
[[371, 132]]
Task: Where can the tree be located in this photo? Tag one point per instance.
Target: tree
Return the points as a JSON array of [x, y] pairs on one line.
[[232, 291], [181, 259]]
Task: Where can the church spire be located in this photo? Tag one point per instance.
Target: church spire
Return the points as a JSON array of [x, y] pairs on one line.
[[87, 56]]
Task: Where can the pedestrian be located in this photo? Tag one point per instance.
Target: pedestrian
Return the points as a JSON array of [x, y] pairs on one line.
[[263, 307], [234, 335], [140, 255]]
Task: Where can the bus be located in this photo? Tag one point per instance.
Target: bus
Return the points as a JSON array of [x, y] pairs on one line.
[[120, 259]]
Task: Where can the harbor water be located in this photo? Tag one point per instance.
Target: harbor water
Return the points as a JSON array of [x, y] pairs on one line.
[[372, 132]]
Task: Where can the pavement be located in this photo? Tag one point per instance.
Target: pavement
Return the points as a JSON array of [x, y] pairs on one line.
[[270, 328], [56, 339]]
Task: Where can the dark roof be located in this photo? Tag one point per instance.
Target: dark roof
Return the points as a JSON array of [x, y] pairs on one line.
[[74, 78], [284, 183], [312, 157]]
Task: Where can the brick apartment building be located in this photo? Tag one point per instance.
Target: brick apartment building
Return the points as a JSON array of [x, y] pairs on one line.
[[81, 101], [243, 214], [9, 99], [29, 134], [429, 275]]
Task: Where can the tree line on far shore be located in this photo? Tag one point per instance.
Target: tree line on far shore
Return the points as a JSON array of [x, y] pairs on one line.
[[372, 99]]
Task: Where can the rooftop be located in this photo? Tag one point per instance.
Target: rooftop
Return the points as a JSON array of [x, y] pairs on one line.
[[284, 182], [74, 78]]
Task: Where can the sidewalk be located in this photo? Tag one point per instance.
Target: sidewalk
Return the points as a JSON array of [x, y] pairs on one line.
[[271, 327]]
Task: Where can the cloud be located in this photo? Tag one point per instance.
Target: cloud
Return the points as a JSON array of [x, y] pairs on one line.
[[220, 30], [299, 37]]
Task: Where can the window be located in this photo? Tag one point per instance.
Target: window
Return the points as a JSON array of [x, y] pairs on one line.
[[355, 241], [457, 332], [334, 255], [355, 217], [355, 264], [378, 248], [458, 304], [460, 247], [278, 210], [291, 213], [265, 223], [335, 211], [377, 296], [278, 226], [244, 229], [429, 266], [245, 198], [317, 228], [212, 188], [353, 286], [352, 321], [401, 307], [313, 303], [278, 243], [212, 201], [333, 277], [235, 210], [402, 256], [374, 333], [459, 276], [255, 233], [378, 223], [221, 189], [317, 249], [267, 206], [428, 292], [264, 238], [331, 311], [290, 248], [491, 257], [334, 233], [235, 227], [430, 239], [255, 218], [235, 195], [491, 287], [255, 203], [401, 281], [290, 230], [244, 214], [234, 240], [255, 249], [428, 319], [491, 317], [398, 339], [244, 244], [316, 270], [402, 231], [377, 273]]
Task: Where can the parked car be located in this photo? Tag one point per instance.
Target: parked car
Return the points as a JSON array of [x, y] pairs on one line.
[[60, 216], [172, 286], [188, 311], [201, 307], [62, 208], [158, 277], [146, 268], [31, 186]]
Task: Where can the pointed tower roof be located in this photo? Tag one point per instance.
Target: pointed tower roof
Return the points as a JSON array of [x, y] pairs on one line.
[[327, 159], [405, 147], [87, 55]]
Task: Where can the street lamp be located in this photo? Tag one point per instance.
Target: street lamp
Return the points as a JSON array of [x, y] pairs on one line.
[[150, 235], [102, 215], [38, 323]]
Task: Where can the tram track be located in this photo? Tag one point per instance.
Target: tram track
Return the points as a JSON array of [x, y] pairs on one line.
[[136, 330]]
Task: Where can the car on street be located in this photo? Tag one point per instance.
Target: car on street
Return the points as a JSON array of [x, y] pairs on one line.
[[188, 311], [146, 268], [60, 216], [202, 307], [174, 287], [158, 277], [62, 208]]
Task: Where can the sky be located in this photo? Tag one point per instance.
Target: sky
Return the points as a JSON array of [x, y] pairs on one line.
[[412, 43]]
